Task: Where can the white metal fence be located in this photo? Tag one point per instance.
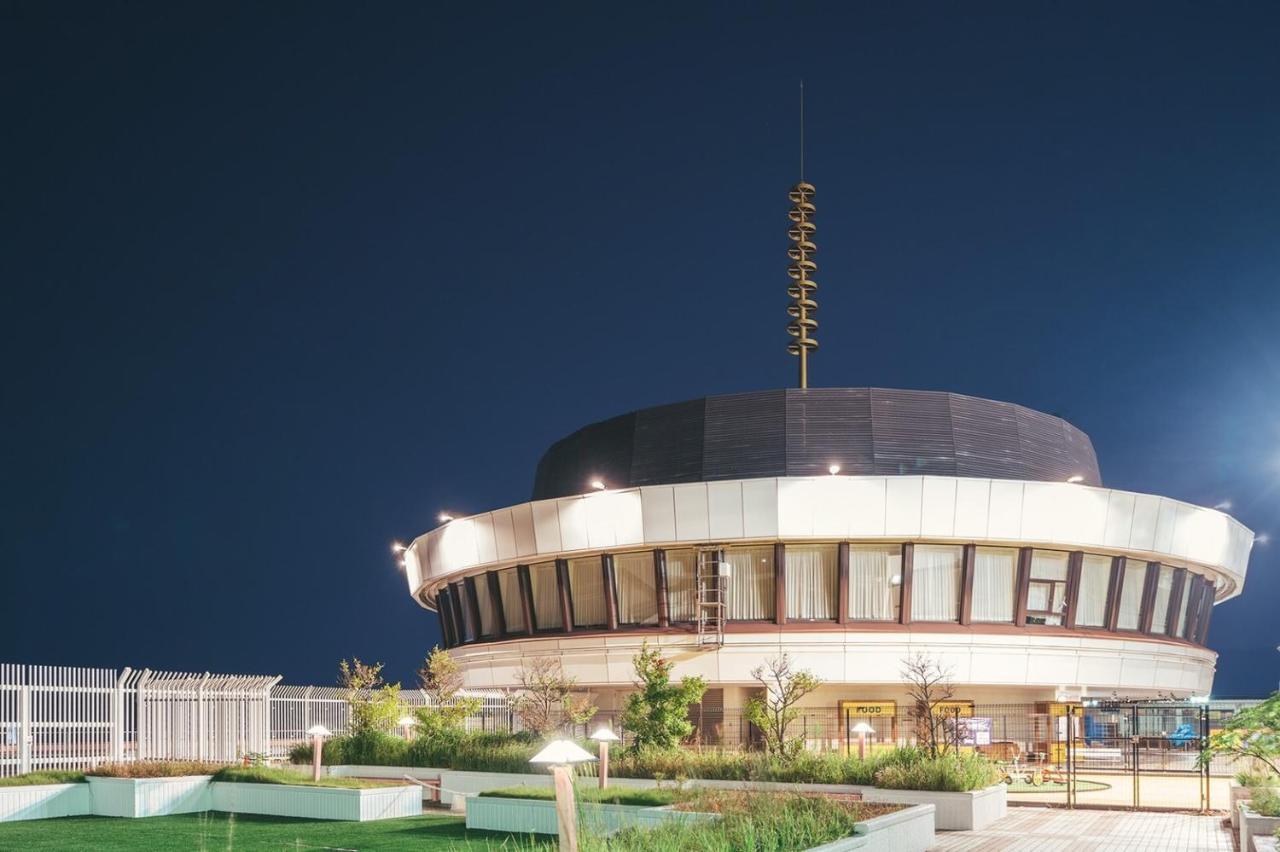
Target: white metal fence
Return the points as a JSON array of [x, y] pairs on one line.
[[56, 717]]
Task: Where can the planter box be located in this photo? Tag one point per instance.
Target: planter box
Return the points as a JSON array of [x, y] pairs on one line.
[[908, 830], [1254, 826], [144, 797], [1239, 793], [288, 800], [970, 811], [1265, 844], [535, 816], [44, 801]]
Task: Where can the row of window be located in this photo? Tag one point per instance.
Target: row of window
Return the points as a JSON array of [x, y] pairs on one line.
[[935, 583]]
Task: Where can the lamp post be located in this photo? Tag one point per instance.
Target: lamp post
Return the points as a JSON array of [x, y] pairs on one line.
[[318, 733], [560, 755], [604, 736], [406, 724], [862, 729]]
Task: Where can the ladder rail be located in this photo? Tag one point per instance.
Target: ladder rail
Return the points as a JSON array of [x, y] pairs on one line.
[[710, 581]]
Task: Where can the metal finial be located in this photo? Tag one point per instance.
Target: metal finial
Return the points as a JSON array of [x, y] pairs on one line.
[[802, 266]]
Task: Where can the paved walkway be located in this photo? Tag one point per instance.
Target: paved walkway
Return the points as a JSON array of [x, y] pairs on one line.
[[1154, 791], [1052, 830]]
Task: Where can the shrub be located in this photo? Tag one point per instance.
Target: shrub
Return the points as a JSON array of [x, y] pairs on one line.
[[1253, 732], [953, 773], [1266, 801], [155, 769], [657, 716], [777, 706], [1255, 779], [441, 679], [45, 776]]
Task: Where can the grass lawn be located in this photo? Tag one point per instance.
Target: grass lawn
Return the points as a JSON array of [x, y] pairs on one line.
[[221, 832]]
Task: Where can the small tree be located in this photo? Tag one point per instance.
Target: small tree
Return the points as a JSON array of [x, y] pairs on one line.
[[775, 710], [928, 685], [546, 698], [658, 715], [1253, 732], [447, 712], [374, 704]]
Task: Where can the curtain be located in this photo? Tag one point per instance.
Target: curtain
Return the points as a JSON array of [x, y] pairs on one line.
[[994, 573], [1187, 580], [935, 583], [875, 583], [1135, 574], [637, 597], [1160, 617], [546, 597], [486, 604], [1047, 592], [586, 591], [512, 606], [811, 581], [681, 565], [751, 594], [1095, 576]]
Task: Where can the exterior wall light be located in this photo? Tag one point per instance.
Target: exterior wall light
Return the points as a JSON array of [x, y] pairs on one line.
[[833, 469], [444, 517], [397, 547], [1075, 479], [560, 755], [597, 484]]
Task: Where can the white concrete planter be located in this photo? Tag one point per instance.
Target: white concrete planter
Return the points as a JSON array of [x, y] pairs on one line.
[[970, 811], [1239, 793], [288, 800], [44, 801], [909, 830], [1265, 844], [144, 797], [536, 816], [1254, 826]]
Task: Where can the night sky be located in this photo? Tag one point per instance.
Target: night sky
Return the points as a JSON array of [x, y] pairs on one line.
[[283, 281]]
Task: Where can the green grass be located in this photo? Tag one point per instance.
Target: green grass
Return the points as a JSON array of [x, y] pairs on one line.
[[650, 798], [232, 833], [47, 776]]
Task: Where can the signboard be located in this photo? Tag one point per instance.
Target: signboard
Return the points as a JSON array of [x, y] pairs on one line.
[[1066, 710], [973, 731], [950, 708], [870, 709]]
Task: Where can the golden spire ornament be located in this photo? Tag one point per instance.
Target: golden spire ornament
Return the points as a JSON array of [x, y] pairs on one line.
[[801, 252]]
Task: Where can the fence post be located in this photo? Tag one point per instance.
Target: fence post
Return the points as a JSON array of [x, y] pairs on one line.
[[117, 717], [24, 729]]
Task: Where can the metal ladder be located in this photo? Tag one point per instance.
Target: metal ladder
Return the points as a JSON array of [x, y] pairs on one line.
[[711, 579]]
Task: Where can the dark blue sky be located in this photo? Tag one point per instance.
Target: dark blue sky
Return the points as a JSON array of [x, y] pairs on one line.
[[282, 281]]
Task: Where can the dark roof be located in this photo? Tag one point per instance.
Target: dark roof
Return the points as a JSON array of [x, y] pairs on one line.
[[868, 431]]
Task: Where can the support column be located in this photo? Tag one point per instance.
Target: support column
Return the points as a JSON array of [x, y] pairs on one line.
[[1149, 596], [1075, 567], [1023, 586], [473, 607], [526, 599], [495, 597], [608, 576], [1114, 589], [969, 556], [842, 582], [904, 605], [1175, 602], [779, 583], [566, 594], [660, 587]]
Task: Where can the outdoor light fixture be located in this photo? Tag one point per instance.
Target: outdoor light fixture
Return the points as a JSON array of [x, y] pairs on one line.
[[1263, 538], [604, 736], [1224, 506], [406, 722], [444, 517], [862, 729], [833, 469], [318, 733], [597, 484], [397, 547], [1076, 479], [560, 755]]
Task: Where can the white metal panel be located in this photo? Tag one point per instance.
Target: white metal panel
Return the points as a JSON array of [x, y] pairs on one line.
[[1042, 503], [658, 513], [504, 535], [938, 507], [458, 544], [1119, 520], [692, 522], [1005, 521], [572, 512], [599, 510], [830, 498], [795, 507], [902, 505], [522, 523], [973, 499], [486, 541], [628, 519], [759, 508], [867, 506], [1084, 516], [546, 527], [1146, 509], [724, 509], [412, 571], [1164, 525]]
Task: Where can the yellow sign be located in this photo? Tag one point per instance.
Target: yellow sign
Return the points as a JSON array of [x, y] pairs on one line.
[[950, 708], [1066, 710], [868, 708]]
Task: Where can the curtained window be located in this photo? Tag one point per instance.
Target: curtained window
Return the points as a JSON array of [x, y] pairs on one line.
[[637, 596], [681, 604], [1164, 588], [875, 582], [995, 571], [488, 607], [586, 591], [546, 597], [811, 581], [512, 606], [1095, 577], [1180, 628], [465, 623], [1135, 575], [1047, 592], [750, 586], [935, 583]]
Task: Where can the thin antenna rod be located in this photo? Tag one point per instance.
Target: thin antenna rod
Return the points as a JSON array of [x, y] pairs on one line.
[[802, 129]]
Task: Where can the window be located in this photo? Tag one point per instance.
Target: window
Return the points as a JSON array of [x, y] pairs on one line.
[[875, 583], [512, 605], [637, 595], [811, 581], [1133, 579], [680, 575], [935, 583], [586, 591], [466, 624], [750, 584], [994, 572], [488, 607], [1095, 576], [1188, 583], [1164, 588], [546, 597], [1047, 591]]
